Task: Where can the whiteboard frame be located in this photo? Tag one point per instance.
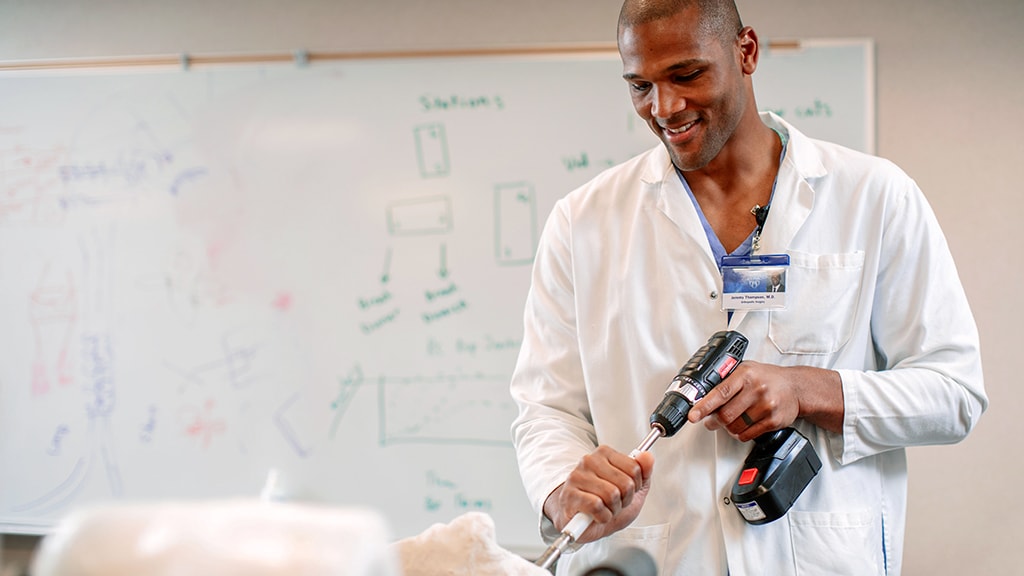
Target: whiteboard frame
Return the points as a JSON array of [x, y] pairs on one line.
[[186, 62]]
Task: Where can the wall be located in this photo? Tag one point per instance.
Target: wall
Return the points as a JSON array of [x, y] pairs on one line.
[[949, 102]]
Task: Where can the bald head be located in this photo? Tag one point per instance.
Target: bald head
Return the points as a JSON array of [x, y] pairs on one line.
[[717, 17]]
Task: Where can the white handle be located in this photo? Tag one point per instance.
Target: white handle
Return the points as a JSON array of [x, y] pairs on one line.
[[578, 525]]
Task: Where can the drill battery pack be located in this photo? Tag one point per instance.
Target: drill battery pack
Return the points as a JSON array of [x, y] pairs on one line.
[[774, 474]]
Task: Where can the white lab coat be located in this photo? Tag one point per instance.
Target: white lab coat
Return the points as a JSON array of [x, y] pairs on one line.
[[625, 289]]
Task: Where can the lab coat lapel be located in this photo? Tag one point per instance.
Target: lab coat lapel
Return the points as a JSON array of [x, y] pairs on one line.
[[672, 200], [794, 196], [790, 208]]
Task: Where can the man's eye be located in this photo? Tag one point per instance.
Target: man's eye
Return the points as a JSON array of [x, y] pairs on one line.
[[689, 76], [639, 86]]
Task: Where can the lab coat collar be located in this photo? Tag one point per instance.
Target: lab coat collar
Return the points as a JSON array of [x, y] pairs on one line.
[[663, 183], [805, 155], [801, 151], [794, 192], [791, 203]]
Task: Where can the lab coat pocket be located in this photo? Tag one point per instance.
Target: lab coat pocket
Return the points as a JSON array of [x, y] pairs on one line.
[[821, 297], [652, 539], [837, 542]]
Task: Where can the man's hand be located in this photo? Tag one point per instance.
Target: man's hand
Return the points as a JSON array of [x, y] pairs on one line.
[[608, 485], [758, 398]]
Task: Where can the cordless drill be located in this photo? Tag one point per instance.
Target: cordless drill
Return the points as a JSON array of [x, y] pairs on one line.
[[706, 368], [781, 463], [780, 466]]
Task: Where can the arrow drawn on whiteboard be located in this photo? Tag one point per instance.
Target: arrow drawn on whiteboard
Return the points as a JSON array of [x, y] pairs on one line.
[[443, 272], [387, 267]]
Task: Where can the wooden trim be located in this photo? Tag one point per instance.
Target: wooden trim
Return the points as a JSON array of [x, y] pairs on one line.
[[188, 60]]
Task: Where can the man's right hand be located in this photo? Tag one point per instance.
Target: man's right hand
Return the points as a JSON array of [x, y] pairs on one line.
[[608, 485]]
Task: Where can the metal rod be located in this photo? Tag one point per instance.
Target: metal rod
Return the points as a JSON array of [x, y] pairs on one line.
[[554, 551]]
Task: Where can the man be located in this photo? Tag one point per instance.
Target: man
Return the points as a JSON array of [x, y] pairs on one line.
[[875, 351]]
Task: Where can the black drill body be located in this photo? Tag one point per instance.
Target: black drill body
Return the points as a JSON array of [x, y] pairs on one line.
[[705, 369]]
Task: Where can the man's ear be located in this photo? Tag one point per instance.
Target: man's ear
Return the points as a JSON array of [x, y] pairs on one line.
[[749, 49]]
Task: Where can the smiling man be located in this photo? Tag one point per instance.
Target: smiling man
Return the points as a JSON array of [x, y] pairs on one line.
[[875, 349]]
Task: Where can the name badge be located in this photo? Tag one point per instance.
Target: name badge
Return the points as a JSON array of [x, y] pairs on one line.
[[754, 282]]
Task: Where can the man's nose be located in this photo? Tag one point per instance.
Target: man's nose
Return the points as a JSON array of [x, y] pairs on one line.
[[666, 102]]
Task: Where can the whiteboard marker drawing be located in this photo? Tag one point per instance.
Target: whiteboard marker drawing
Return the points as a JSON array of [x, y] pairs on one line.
[[432, 150]]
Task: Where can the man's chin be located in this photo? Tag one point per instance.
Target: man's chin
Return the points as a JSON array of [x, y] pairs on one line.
[[686, 162]]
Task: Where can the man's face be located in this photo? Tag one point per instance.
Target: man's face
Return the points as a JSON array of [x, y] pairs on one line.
[[686, 84]]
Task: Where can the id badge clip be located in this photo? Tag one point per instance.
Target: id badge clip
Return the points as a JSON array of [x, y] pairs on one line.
[[754, 282]]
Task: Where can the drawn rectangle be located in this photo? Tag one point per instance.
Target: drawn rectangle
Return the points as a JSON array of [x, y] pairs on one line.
[[515, 223], [432, 150], [420, 216], [468, 409]]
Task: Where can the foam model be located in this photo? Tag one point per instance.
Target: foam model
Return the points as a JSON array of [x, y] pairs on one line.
[[465, 546]]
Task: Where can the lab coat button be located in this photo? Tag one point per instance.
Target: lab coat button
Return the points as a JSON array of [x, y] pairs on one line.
[[726, 501], [714, 294]]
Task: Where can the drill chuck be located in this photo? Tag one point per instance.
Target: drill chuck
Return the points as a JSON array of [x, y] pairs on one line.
[[671, 414]]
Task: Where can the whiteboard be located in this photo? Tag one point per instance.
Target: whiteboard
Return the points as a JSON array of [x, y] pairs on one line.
[[208, 275]]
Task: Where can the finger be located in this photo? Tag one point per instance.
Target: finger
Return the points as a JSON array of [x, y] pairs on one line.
[[638, 480], [713, 424], [646, 462], [759, 423], [591, 496], [607, 481], [617, 493], [717, 397], [738, 418], [751, 432], [627, 477]]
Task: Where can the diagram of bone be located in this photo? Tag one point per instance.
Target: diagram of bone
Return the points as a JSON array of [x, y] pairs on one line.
[[61, 317]]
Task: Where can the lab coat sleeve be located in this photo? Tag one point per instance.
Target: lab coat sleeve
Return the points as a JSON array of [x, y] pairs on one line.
[[929, 386], [553, 429]]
